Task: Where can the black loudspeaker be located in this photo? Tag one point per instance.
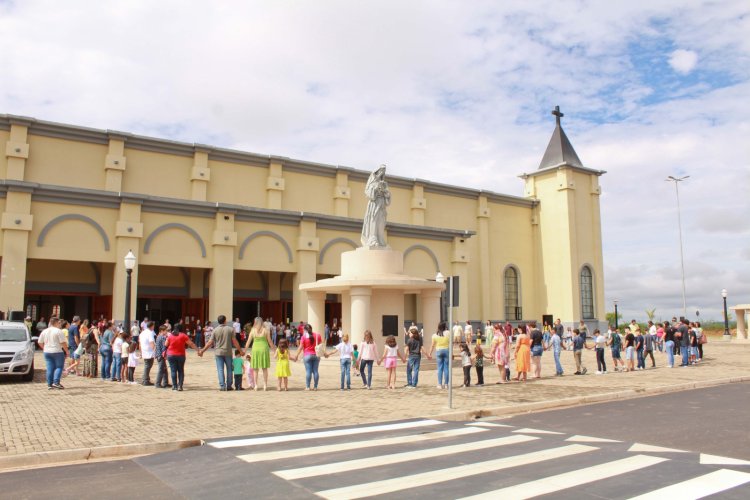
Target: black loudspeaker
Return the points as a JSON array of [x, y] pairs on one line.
[[17, 316], [390, 325]]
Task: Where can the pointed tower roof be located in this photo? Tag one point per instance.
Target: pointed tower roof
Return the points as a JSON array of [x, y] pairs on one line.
[[559, 150]]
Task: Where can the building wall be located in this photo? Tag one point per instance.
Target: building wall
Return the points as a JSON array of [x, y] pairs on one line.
[[202, 218]]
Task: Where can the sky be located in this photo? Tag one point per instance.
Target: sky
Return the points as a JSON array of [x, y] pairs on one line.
[[457, 92]]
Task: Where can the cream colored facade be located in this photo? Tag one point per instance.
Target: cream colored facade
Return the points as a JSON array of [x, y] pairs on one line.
[[216, 230]]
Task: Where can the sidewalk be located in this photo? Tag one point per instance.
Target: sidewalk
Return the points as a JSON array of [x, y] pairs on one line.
[[92, 413]]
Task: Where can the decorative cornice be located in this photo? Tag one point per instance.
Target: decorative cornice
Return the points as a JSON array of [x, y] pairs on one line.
[[554, 168], [144, 143], [207, 209]]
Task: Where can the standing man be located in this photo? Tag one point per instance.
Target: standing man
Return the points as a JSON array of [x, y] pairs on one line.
[[584, 330], [162, 379], [223, 339], [555, 344], [237, 329], [457, 333], [147, 341], [55, 347], [684, 333], [579, 342], [648, 346], [135, 330], [74, 337]]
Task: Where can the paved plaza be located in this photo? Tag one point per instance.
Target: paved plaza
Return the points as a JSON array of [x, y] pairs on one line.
[[93, 413]]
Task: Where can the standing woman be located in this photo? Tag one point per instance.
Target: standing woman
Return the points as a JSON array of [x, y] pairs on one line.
[[501, 353], [441, 345], [55, 346], [537, 349], [176, 342], [198, 334], [260, 339], [367, 354], [92, 352], [308, 347], [522, 354], [105, 349]]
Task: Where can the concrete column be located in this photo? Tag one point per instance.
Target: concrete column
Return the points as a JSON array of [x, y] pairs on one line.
[[308, 246], [430, 305], [274, 286], [418, 205], [341, 195], [274, 185], [483, 226], [17, 149], [200, 174], [221, 281], [196, 283], [128, 234], [15, 252], [741, 325], [460, 263], [316, 310], [115, 162], [360, 312]]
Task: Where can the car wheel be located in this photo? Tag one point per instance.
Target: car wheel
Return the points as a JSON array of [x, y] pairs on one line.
[[29, 376]]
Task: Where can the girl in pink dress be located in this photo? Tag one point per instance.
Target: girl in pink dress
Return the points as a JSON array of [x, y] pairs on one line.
[[390, 353], [501, 353]]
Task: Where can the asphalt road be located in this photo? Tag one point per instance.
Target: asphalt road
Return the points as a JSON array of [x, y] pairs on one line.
[[566, 453]]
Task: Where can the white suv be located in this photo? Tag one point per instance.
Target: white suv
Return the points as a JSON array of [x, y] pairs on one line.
[[16, 350]]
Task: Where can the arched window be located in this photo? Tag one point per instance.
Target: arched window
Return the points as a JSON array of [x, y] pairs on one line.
[[587, 293], [512, 294]]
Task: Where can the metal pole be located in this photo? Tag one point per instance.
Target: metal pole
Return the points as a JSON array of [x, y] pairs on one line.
[[127, 300], [682, 259], [616, 325], [450, 343], [727, 335]]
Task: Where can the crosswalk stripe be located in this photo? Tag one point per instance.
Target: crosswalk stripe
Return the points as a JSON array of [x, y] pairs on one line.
[[647, 448], [567, 480], [526, 430], [451, 473], [588, 439], [488, 424], [357, 445], [699, 487], [284, 438], [717, 460], [397, 458]]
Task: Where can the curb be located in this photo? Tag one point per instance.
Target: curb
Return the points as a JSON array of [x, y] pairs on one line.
[[507, 411], [60, 457]]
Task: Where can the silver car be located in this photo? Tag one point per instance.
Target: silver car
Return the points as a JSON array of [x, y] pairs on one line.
[[16, 351]]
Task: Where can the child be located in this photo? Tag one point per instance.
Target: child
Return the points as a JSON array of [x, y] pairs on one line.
[[125, 350], [249, 376], [355, 360], [390, 353], [283, 372], [466, 363], [237, 370], [346, 356], [479, 363], [132, 362]]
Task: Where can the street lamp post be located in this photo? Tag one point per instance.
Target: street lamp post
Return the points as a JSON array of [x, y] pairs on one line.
[[441, 279], [616, 325], [677, 181], [727, 335], [129, 266]]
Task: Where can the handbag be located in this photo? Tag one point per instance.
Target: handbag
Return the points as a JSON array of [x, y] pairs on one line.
[[320, 349]]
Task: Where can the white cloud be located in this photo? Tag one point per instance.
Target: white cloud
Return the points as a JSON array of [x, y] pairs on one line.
[[446, 91], [683, 61]]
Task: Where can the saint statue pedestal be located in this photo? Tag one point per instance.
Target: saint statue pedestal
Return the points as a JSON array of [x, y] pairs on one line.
[[372, 285]]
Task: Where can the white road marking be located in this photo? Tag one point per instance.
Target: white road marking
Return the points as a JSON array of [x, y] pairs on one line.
[[397, 458], [589, 439], [717, 460], [232, 443], [535, 431], [357, 445], [647, 448], [701, 486], [567, 480], [451, 473], [488, 424]]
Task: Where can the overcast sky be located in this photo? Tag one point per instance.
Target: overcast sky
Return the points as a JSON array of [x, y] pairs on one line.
[[455, 92]]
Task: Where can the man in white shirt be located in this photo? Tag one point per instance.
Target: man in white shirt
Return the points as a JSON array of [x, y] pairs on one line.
[[147, 342], [457, 332], [55, 346]]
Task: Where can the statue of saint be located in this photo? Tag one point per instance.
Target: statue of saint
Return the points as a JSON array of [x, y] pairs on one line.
[[373, 227]]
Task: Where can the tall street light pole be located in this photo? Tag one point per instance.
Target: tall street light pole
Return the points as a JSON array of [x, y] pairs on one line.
[[441, 279], [677, 181], [129, 266], [727, 335]]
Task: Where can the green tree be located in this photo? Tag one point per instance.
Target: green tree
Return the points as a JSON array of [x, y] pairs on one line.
[[611, 318], [651, 313]]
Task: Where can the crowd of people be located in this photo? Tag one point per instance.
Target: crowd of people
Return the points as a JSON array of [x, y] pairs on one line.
[[243, 355]]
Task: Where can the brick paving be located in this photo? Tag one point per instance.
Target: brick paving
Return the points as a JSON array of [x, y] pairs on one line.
[[91, 412]]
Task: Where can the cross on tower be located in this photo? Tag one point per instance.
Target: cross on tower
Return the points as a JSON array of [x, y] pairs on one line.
[[557, 114]]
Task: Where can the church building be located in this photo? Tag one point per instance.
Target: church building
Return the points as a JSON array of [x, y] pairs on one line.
[[219, 231]]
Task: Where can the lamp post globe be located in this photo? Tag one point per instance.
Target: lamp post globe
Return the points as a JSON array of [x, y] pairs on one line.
[[129, 261]]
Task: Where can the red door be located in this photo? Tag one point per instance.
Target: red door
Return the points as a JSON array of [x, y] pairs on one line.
[[101, 306]]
